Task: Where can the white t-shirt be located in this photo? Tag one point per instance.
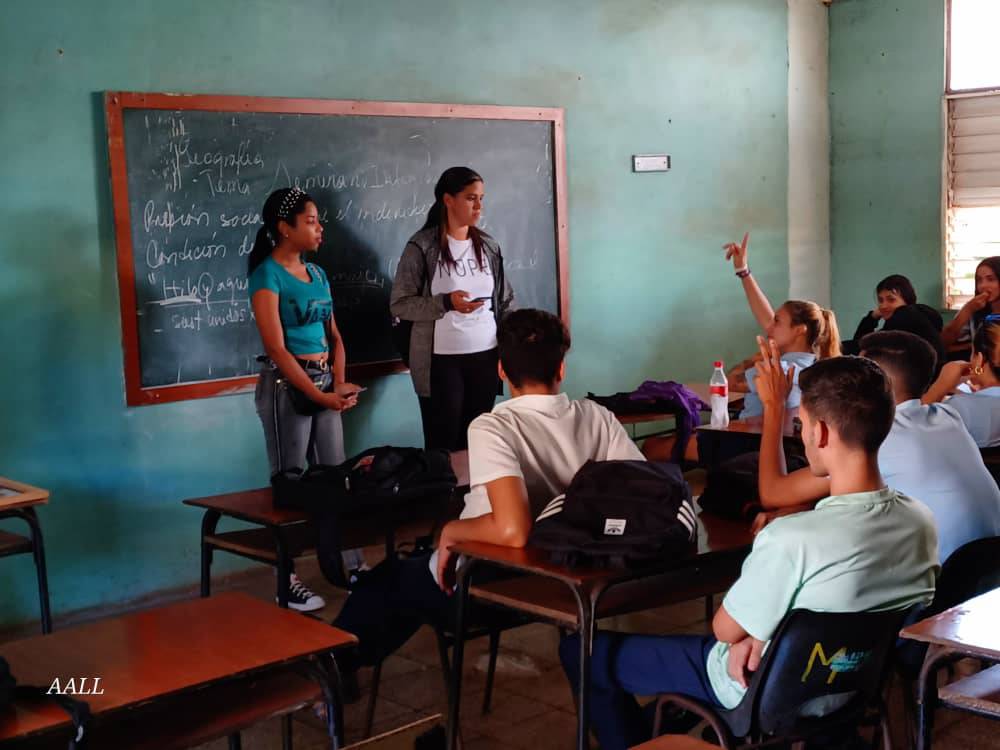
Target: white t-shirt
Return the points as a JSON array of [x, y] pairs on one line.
[[930, 456], [980, 411], [464, 333], [544, 440]]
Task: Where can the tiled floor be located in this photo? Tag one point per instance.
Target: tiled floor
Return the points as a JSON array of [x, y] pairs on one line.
[[532, 704]]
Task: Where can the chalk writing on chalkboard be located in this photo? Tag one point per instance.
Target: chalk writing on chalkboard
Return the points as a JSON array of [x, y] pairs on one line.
[[190, 174]]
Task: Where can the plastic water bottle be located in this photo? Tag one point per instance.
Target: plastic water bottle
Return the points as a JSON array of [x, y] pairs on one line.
[[718, 388]]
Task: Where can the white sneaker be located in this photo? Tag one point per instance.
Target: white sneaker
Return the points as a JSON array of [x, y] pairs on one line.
[[301, 598]]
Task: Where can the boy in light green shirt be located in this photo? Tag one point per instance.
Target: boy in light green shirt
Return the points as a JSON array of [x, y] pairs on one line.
[[866, 547]]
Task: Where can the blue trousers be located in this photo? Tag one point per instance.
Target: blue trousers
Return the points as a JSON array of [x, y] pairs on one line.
[[623, 666]]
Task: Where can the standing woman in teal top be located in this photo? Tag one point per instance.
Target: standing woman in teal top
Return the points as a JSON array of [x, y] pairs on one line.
[[302, 390]]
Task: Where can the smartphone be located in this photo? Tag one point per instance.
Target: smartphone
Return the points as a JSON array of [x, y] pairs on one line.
[[480, 299]]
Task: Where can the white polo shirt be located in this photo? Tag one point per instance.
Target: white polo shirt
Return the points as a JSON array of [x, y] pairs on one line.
[[980, 411], [544, 440], [929, 455]]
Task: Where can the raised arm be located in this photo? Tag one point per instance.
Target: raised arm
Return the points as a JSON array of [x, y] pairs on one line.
[[776, 487], [952, 332], [761, 308], [952, 374]]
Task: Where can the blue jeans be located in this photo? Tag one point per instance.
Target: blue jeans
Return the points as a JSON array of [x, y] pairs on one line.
[[623, 666]]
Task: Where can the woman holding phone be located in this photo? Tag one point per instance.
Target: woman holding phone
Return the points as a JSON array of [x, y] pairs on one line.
[[302, 390], [450, 284]]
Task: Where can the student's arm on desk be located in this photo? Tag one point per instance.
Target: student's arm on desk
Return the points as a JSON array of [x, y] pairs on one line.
[[508, 525], [775, 486]]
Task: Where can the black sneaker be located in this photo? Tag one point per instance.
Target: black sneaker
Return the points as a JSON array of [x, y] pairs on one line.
[[301, 598]]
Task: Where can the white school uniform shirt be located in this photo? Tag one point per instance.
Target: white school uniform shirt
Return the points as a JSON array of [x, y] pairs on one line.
[[544, 440], [929, 455], [464, 333], [980, 411]]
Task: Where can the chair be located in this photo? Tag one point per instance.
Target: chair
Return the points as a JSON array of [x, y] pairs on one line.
[[830, 663]]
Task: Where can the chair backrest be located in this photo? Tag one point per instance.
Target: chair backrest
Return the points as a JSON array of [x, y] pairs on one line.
[[821, 668], [971, 570]]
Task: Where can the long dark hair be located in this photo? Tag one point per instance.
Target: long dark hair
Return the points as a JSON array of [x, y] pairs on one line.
[[282, 205], [993, 262], [452, 181]]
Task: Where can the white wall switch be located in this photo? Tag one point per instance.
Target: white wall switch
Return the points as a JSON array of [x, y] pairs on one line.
[[650, 162]]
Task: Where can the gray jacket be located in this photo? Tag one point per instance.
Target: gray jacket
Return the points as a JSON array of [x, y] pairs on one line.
[[411, 298]]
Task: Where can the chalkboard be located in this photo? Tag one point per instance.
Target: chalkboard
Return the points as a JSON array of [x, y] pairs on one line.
[[190, 174]]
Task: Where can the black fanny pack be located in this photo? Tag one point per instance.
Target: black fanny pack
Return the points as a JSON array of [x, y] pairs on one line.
[[301, 402]]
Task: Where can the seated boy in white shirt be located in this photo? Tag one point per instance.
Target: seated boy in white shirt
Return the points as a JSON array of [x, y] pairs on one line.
[[521, 455], [928, 453], [866, 547]]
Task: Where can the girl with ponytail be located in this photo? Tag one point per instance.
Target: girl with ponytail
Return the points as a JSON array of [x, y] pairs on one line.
[[301, 391], [803, 331], [450, 293]]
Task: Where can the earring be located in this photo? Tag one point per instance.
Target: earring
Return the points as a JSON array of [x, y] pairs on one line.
[[977, 370]]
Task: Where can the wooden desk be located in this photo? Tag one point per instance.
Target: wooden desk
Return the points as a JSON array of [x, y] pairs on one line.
[[18, 500], [161, 653], [286, 534], [577, 597], [701, 389], [970, 629]]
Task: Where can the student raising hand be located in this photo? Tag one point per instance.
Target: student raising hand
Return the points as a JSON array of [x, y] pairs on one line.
[[772, 382]]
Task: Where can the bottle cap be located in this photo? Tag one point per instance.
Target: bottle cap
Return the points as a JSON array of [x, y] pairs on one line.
[[718, 363]]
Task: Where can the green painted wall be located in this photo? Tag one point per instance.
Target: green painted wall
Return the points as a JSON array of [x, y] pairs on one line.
[[886, 82], [704, 79]]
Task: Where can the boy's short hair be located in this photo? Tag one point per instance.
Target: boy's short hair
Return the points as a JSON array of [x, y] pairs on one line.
[[909, 359], [854, 396], [532, 345]]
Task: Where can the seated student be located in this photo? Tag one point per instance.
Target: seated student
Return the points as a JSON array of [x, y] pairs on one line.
[[928, 453], [979, 407], [898, 310], [866, 547], [521, 455], [803, 331], [958, 334]]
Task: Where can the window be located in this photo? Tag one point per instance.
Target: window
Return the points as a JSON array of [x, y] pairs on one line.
[[972, 147]]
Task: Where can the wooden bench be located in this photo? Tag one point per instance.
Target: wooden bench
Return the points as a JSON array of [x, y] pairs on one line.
[[178, 675]]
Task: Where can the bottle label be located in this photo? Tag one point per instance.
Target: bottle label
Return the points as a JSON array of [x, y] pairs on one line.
[[718, 390]]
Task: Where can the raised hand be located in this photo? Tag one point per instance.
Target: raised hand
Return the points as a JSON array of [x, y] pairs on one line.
[[737, 253], [772, 382]]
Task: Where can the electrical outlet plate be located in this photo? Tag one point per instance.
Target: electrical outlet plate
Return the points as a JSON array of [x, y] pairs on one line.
[[650, 162]]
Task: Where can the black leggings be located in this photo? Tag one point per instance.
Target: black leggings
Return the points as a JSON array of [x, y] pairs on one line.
[[463, 386]]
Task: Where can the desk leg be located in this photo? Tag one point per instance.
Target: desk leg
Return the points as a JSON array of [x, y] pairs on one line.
[[208, 523], [38, 552], [586, 614], [927, 693], [325, 672], [457, 653], [284, 566]]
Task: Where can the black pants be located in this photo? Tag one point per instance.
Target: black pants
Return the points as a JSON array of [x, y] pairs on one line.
[[463, 386]]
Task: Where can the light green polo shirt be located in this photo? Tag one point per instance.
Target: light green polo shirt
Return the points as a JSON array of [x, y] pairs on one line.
[[852, 553]]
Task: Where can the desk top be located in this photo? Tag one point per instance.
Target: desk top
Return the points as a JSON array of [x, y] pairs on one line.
[[257, 506], [160, 652], [19, 495], [755, 426], [970, 627], [716, 537]]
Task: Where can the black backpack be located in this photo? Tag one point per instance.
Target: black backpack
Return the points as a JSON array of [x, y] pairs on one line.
[[383, 475], [79, 712], [619, 513]]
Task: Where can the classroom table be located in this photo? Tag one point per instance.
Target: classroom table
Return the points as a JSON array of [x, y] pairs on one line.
[[19, 500], [146, 659], [969, 629], [716, 444], [701, 389], [576, 598], [282, 535]]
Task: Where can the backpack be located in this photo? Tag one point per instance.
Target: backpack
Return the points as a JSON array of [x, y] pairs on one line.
[[79, 711], [383, 475], [618, 513]]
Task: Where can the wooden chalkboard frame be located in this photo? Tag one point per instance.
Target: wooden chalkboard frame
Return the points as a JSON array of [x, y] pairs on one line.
[[115, 102]]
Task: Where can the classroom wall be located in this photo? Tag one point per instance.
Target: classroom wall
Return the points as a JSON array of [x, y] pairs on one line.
[[705, 80], [886, 83]]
